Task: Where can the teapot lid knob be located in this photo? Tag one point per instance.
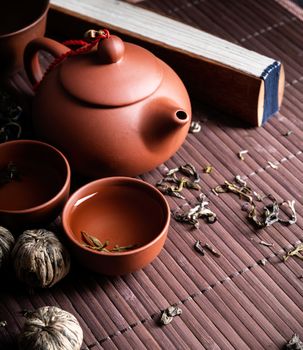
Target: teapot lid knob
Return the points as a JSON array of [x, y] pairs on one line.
[[110, 50]]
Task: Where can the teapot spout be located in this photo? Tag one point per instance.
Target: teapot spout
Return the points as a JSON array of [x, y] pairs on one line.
[[165, 125], [179, 116], [167, 114]]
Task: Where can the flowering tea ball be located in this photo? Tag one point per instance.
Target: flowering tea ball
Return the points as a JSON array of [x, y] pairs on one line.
[[40, 259], [50, 328], [7, 241]]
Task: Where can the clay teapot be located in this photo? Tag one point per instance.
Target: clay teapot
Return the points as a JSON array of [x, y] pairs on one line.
[[115, 109]]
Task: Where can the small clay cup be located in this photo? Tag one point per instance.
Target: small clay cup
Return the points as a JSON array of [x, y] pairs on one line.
[[34, 183], [123, 211], [20, 22]]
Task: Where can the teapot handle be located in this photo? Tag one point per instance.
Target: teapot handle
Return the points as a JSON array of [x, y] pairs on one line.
[[31, 60]]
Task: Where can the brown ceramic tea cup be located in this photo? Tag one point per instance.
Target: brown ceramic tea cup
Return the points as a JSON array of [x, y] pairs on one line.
[[20, 22], [129, 216], [34, 183]]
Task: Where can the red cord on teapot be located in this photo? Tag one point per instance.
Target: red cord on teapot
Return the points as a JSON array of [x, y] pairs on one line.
[[93, 37]]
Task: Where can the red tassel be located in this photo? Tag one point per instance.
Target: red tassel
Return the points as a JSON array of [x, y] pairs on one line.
[[84, 47]]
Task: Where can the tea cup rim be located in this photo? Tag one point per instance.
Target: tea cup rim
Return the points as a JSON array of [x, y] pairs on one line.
[[58, 194], [32, 24], [119, 179]]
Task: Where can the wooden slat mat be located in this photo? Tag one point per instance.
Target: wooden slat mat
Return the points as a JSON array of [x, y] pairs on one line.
[[247, 298]]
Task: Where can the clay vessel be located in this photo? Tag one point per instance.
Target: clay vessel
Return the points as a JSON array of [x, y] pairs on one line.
[[116, 110], [20, 22], [34, 183], [123, 211]]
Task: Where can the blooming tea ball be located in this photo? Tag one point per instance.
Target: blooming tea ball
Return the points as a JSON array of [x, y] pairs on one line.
[[40, 259], [50, 328], [7, 241]]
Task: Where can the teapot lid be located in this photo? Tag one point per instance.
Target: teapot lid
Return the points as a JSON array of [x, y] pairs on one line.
[[114, 74]]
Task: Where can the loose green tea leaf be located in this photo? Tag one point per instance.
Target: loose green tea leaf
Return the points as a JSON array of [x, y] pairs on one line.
[[212, 250], [240, 181], [10, 112], [172, 171], [189, 170], [269, 214], [200, 210], [241, 154], [168, 314], [266, 244], [169, 190], [9, 173], [294, 343], [90, 240], [172, 185], [195, 127], [273, 165], [165, 319], [207, 169], [198, 247], [173, 311], [295, 252], [287, 133], [125, 248], [94, 244], [293, 218], [262, 262]]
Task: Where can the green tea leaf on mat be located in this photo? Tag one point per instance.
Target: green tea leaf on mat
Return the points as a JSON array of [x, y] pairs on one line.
[[272, 165], [199, 210], [3, 324], [207, 169], [297, 251], [287, 133], [198, 247], [212, 250], [195, 127], [241, 153], [294, 343], [168, 314]]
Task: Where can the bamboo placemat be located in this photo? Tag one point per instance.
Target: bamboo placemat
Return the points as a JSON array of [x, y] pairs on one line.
[[247, 298]]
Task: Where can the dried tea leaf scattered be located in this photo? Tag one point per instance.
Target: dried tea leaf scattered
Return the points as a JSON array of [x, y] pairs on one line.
[[195, 127], [272, 165], [294, 343], [3, 323], [199, 210], [189, 170], [297, 251], [207, 169], [262, 262], [212, 250], [293, 219], [173, 185], [269, 214], [165, 319], [40, 259], [173, 311], [7, 242], [168, 314], [198, 247], [10, 113], [50, 327], [201, 249], [287, 133], [266, 244], [242, 153]]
